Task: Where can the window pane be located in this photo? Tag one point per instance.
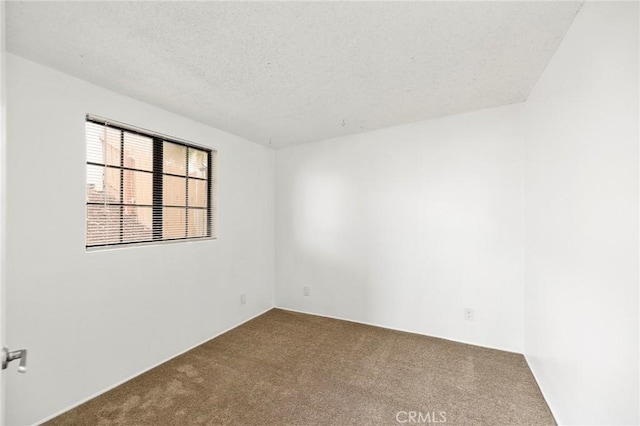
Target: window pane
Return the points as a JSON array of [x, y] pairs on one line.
[[111, 147], [198, 163], [174, 222], [137, 224], [174, 191], [112, 184], [102, 142], [138, 152], [97, 182], [197, 193], [103, 225], [138, 187], [175, 158], [197, 223], [94, 135]]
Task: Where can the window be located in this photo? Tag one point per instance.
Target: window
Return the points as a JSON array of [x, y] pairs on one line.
[[144, 187]]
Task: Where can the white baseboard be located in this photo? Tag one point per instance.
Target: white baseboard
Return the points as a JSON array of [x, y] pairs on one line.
[[147, 369], [533, 373], [398, 329]]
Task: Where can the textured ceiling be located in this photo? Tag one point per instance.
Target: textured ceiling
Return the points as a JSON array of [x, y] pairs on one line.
[[282, 73]]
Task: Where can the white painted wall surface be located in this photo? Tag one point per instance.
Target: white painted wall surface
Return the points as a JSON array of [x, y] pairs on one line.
[[581, 291], [3, 203], [407, 226], [91, 320]]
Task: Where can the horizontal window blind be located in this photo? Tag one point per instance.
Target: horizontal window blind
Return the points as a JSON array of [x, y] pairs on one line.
[[143, 187]]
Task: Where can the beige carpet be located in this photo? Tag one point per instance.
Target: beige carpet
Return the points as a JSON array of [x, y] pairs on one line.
[[285, 368]]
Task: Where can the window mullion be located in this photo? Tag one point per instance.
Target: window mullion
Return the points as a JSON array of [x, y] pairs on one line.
[[209, 186], [186, 194], [158, 160], [121, 186]]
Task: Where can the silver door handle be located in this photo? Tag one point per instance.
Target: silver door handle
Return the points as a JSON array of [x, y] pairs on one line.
[[8, 356]]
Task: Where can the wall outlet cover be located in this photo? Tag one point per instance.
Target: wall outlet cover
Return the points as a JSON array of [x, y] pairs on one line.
[[468, 314]]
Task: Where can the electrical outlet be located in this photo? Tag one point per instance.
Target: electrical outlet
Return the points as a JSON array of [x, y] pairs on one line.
[[306, 291], [468, 314], [243, 298]]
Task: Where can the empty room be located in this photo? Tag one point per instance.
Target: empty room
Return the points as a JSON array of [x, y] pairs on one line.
[[320, 213]]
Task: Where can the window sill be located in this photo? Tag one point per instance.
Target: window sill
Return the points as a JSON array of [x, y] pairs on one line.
[[147, 244]]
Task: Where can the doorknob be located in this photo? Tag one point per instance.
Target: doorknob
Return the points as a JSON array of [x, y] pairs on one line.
[[8, 356]]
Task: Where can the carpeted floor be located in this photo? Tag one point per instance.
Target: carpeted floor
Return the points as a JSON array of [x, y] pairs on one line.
[[285, 368]]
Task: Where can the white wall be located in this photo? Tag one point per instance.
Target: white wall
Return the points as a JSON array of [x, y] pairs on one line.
[[407, 226], [3, 109], [581, 291], [76, 311]]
